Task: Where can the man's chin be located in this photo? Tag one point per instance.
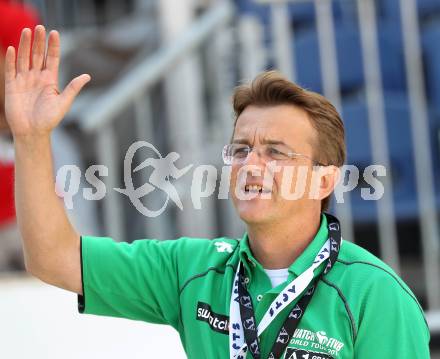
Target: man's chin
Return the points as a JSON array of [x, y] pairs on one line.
[[254, 215]]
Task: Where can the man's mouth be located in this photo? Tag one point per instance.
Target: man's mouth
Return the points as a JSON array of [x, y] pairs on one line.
[[255, 188]]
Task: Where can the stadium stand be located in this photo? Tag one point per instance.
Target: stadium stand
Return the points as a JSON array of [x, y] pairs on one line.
[[426, 9], [350, 63], [409, 215], [305, 48], [355, 116]]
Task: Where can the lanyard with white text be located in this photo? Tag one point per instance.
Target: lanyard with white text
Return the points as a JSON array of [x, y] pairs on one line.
[[244, 332]]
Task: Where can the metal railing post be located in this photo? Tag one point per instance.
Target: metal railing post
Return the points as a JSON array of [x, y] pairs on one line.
[[252, 53], [423, 162], [433, 319], [220, 85], [330, 80], [107, 155], [158, 226], [185, 110], [378, 130], [281, 38]]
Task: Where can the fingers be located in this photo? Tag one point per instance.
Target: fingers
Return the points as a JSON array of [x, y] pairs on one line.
[[10, 71], [38, 47], [53, 52], [73, 89], [24, 48]]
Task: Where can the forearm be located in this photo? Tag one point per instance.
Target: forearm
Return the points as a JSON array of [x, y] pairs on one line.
[[47, 233], [34, 107]]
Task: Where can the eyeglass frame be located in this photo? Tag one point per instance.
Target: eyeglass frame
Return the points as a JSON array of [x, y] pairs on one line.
[[290, 155]]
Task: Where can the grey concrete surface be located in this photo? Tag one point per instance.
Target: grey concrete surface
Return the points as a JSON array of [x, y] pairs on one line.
[[41, 322]]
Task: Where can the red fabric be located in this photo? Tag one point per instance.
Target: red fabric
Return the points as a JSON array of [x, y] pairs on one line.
[[14, 17], [7, 210]]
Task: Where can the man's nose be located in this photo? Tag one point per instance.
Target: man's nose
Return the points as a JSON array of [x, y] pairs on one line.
[[255, 157]]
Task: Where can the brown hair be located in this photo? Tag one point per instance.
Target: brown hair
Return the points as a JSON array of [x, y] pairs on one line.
[[271, 88]]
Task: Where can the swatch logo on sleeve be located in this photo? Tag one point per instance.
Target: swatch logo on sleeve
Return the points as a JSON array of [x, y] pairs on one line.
[[217, 322]]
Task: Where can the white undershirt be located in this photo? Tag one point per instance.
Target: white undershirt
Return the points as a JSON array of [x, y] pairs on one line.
[[277, 276]]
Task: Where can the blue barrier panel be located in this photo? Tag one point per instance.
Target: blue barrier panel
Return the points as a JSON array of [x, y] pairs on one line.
[[431, 52], [389, 9], [349, 54], [355, 115]]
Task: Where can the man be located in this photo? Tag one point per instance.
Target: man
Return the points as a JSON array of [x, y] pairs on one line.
[[289, 288]]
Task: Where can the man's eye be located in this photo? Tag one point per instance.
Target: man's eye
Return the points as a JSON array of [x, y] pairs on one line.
[[276, 152], [239, 152]]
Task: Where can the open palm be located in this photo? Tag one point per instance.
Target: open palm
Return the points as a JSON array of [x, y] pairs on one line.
[[33, 104]]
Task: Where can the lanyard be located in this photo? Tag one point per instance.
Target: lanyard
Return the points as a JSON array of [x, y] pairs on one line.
[[244, 332]]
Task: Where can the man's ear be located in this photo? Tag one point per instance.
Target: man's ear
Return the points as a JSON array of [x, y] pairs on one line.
[[324, 181]]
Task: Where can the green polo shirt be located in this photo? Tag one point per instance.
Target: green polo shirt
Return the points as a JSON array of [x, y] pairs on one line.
[[361, 309]]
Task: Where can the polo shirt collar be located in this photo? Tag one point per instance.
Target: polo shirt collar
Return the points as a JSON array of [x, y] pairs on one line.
[[301, 263], [307, 257]]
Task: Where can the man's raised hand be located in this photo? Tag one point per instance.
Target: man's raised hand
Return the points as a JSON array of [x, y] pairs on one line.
[[33, 104]]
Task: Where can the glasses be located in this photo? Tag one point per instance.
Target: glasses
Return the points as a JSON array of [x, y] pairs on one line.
[[236, 153]]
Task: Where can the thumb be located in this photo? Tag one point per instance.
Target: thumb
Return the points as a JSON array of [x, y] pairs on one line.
[[73, 89]]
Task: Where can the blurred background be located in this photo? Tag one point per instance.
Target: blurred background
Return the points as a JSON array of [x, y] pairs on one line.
[[163, 72]]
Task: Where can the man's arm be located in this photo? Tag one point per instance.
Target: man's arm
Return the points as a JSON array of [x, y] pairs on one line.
[[34, 107]]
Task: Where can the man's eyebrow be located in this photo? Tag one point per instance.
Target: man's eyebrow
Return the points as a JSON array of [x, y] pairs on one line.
[[273, 142], [242, 141], [264, 141]]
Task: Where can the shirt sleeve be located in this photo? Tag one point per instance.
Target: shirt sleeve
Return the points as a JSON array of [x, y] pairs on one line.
[[136, 281], [392, 323]]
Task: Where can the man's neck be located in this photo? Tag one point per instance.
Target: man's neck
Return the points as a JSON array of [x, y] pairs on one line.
[[279, 245]]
